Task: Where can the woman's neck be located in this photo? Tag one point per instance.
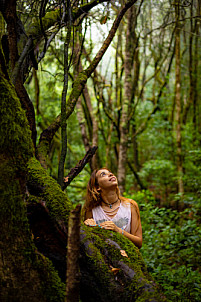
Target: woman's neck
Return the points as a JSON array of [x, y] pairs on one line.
[[109, 196]]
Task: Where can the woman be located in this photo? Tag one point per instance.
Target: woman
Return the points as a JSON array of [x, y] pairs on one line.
[[104, 207]]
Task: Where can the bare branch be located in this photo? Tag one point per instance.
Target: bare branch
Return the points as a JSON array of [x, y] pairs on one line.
[[47, 43], [167, 24], [18, 64], [80, 166], [156, 106]]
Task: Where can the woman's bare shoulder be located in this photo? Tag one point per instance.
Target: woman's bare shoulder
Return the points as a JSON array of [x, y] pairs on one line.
[[130, 201], [133, 205]]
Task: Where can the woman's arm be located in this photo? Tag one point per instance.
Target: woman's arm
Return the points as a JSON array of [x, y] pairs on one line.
[[136, 234], [89, 219]]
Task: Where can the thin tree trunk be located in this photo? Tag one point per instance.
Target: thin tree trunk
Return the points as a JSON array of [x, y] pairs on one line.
[[191, 71], [124, 123], [135, 150], [95, 159], [195, 71], [73, 272], [63, 99], [93, 119], [134, 92], [81, 120], [178, 104], [37, 91], [27, 105], [10, 16]]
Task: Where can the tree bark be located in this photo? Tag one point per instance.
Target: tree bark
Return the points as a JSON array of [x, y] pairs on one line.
[[82, 123], [10, 16], [192, 72], [196, 64], [27, 105], [23, 270], [124, 123], [109, 276], [80, 166], [178, 102], [95, 159], [73, 271], [63, 99]]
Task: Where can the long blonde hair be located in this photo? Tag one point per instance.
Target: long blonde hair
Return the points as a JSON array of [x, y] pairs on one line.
[[93, 196]]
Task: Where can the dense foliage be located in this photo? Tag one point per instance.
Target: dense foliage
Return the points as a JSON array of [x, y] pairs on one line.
[[140, 106], [172, 247], [170, 217]]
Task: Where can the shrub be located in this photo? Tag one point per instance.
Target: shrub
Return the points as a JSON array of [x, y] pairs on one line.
[[171, 248]]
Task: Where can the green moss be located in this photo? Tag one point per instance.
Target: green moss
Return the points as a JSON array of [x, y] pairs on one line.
[[103, 250], [43, 151], [76, 91], [14, 129], [51, 285], [24, 272], [55, 199], [48, 20]]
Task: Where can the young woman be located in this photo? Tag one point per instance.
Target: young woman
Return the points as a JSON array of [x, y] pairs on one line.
[[104, 207]]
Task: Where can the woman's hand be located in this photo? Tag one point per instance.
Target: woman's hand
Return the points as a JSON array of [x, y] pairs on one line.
[[90, 222], [109, 225]]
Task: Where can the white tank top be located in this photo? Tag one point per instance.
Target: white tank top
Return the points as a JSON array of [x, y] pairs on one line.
[[122, 219]]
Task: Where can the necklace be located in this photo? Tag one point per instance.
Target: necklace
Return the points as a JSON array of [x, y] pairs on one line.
[[111, 213], [110, 204]]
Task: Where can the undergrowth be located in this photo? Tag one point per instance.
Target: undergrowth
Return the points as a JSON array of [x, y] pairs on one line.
[[172, 247]]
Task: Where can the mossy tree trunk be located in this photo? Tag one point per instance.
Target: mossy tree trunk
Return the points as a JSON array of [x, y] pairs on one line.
[[24, 272], [112, 269]]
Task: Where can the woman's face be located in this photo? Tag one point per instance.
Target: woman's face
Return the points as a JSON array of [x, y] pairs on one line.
[[106, 179]]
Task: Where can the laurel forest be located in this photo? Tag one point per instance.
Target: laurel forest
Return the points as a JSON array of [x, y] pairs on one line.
[[86, 85]]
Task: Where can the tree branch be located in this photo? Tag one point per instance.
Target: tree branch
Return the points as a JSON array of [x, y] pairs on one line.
[[48, 134], [132, 168], [18, 64], [109, 38], [80, 166], [156, 106], [167, 24]]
